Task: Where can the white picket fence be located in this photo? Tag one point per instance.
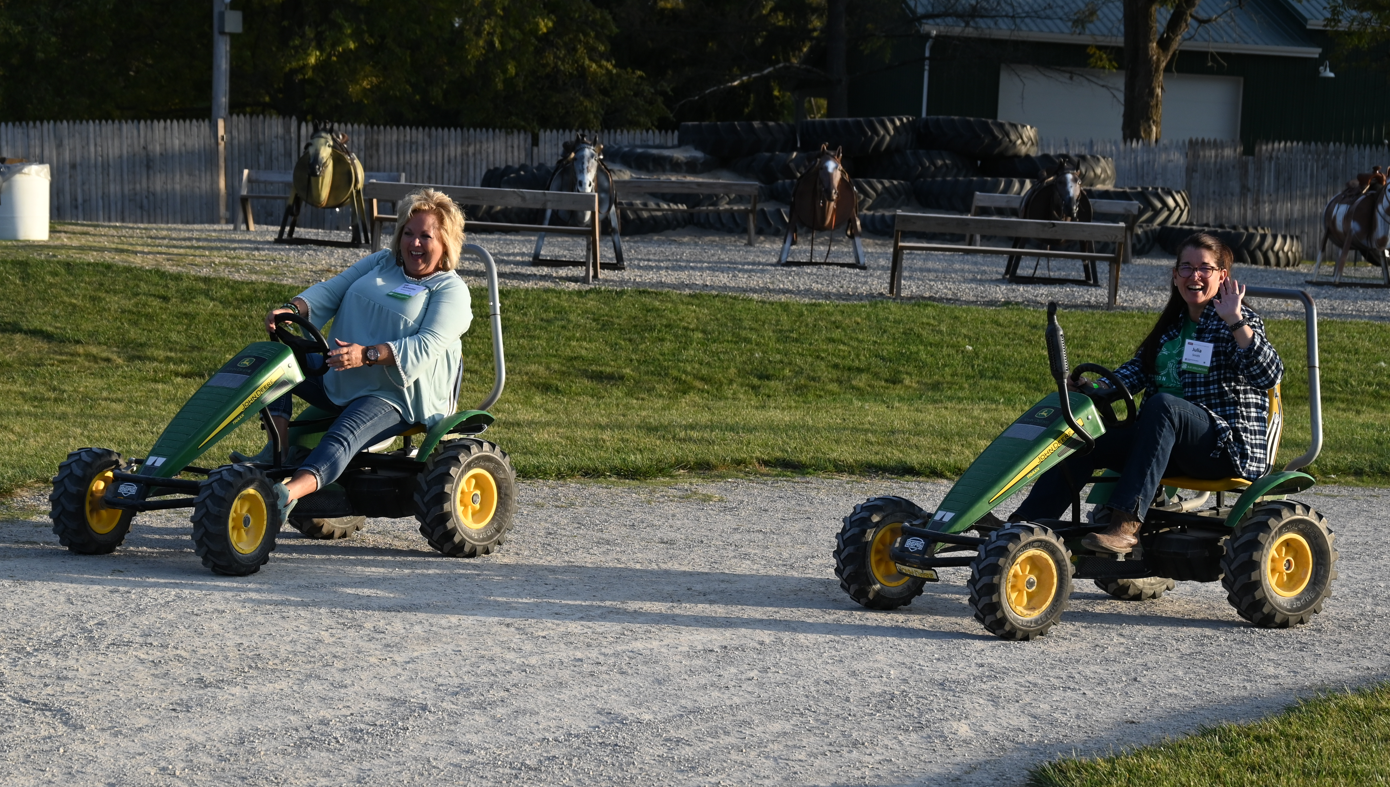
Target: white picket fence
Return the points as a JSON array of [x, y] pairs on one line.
[[165, 172]]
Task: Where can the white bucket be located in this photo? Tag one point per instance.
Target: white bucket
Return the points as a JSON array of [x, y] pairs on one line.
[[24, 201]]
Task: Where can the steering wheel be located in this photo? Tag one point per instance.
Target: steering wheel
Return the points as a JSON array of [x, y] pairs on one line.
[[1103, 399], [312, 342]]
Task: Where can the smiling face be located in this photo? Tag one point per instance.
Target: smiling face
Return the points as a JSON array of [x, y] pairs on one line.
[[1207, 276], [421, 247]]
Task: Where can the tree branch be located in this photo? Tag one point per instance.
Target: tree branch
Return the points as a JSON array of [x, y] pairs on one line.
[[746, 78]]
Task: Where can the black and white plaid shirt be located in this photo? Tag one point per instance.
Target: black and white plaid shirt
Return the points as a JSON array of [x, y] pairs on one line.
[[1234, 390]]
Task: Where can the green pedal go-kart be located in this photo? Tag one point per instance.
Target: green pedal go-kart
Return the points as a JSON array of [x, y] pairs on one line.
[[461, 489], [1274, 555]]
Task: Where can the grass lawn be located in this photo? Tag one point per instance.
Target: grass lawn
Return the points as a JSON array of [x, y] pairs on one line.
[[632, 384], [1334, 740]]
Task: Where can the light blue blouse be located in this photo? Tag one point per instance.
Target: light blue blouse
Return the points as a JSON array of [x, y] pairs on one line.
[[423, 331]]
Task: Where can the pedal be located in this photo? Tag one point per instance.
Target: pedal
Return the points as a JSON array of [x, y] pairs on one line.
[[921, 573]]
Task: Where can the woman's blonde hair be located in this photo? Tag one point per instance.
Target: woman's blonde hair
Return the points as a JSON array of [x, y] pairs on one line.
[[448, 215]]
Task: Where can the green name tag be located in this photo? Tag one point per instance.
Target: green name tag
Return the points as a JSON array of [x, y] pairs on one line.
[[407, 291]]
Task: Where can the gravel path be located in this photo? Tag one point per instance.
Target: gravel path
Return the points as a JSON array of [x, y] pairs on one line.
[[687, 633]]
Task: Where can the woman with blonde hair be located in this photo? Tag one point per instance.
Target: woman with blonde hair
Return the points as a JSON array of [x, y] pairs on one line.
[[397, 317]]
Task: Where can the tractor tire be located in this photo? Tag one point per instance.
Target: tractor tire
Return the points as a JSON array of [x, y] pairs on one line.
[[1250, 245], [1145, 240], [527, 177], [466, 498], [957, 194], [657, 160], [633, 220], [872, 136], [875, 194], [1157, 205], [235, 520], [913, 165], [1021, 582], [976, 138], [878, 222], [865, 570], [1136, 589], [1097, 172], [767, 221], [80, 521], [738, 138], [772, 167], [1278, 568], [782, 191], [328, 528]]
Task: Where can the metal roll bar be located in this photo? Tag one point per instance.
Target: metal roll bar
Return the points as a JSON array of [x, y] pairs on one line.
[[499, 363], [1310, 317]]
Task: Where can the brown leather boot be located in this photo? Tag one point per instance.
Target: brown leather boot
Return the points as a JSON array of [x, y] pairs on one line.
[[1120, 538]]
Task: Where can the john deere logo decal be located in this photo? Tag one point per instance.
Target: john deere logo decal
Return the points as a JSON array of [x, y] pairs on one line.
[[245, 362], [1045, 412]]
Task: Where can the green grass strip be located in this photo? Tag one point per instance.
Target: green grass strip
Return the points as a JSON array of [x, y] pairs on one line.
[[1333, 740], [632, 384]]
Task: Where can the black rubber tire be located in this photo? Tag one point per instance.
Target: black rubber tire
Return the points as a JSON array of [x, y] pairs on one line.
[[660, 160], [976, 138], [912, 165], [772, 167], [1145, 240], [1246, 565], [871, 136], [636, 221], [446, 478], [1097, 172], [235, 520], [1048, 563], [865, 538], [782, 190], [80, 522], [769, 220], [876, 194], [1157, 205], [956, 194], [328, 528], [1144, 589], [1250, 245], [878, 222], [737, 138]]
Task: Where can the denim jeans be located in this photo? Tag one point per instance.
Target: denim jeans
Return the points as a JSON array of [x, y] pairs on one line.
[[362, 422], [1172, 436]]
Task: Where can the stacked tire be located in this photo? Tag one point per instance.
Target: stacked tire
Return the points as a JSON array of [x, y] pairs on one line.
[[1251, 245], [1097, 172]]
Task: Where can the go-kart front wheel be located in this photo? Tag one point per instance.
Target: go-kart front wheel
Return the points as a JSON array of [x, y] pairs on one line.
[[466, 497], [235, 520], [80, 520], [1278, 569], [862, 561], [1021, 582]]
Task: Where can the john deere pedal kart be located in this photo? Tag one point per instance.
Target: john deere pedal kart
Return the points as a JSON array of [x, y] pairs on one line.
[[1273, 554], [461, 489]]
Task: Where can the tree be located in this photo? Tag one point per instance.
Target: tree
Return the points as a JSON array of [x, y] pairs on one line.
[[1147, 52]]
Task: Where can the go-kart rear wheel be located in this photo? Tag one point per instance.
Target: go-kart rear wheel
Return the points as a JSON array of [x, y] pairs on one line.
[[235, 520], [1020, 583], [1141, 589], [466, 497], [80, 521], [328, 528], [1278, 568], [866, 571]]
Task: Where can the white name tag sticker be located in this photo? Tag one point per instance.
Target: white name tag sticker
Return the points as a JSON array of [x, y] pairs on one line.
[[407, 291], [1196, 357]]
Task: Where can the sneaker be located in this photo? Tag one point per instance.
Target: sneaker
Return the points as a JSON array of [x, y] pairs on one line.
[[283, 503]]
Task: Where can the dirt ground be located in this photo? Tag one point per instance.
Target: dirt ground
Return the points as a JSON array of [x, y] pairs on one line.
[[674, 633]]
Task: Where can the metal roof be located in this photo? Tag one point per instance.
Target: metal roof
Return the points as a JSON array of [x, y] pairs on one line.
[[1313, 12], [1267, 27]]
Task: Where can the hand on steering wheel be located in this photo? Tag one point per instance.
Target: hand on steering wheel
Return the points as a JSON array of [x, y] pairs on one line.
[[311, 343], [1116, 390]]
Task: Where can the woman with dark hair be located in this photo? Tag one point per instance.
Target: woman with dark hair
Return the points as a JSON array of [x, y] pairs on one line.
[[1205, 369]]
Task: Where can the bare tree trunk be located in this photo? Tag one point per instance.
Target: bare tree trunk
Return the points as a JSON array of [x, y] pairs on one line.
[[1147, 53], [836, 44]]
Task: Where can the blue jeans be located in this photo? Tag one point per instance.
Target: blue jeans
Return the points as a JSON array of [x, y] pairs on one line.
[[362, 422], [1171, 437]]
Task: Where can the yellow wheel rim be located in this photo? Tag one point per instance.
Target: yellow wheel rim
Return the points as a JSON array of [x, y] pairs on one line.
[[885, 570], [1290, 565], [247, 521], [1032, 583], [100, 519], [477, 500]]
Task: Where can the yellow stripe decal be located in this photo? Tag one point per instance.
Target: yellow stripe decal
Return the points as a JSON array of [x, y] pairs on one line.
[[265, 386], [1033, 465]]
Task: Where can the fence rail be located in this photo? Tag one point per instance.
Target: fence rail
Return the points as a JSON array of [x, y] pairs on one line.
[[165, 171]]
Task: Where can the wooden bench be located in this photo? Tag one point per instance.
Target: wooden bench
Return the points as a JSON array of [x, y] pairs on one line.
[[286, 178], [975, 227], [1128, 210], [694, 186], [505, 198]]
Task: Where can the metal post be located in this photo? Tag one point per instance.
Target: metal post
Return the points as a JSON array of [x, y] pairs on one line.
[[219, 131]]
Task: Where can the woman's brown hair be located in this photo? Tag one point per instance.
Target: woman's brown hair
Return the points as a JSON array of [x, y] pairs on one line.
[[1174, 310]]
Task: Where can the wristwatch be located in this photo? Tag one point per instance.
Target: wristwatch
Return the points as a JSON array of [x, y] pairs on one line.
[[373, 355]]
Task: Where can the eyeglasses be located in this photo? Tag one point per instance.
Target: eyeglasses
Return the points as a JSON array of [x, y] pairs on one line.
[[1187, 271]]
